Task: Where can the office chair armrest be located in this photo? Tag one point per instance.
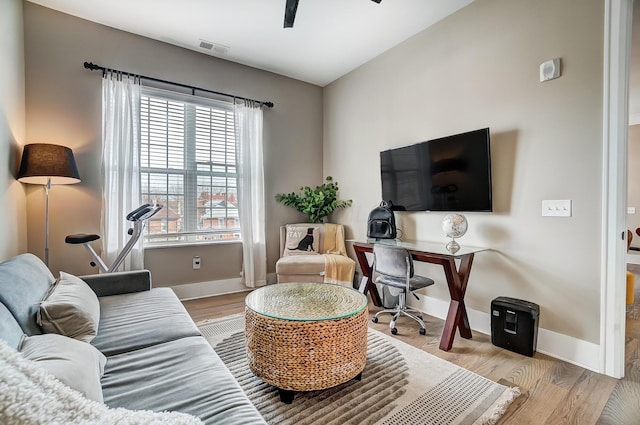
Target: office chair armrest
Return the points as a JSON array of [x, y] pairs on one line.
[[407, 281]]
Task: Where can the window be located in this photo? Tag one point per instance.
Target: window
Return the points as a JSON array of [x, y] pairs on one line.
[[188, 164]]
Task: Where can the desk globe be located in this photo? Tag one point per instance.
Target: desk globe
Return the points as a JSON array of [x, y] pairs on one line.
[[454, 226]]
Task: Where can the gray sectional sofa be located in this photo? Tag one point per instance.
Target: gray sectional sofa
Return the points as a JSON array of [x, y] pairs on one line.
[[156, 358]]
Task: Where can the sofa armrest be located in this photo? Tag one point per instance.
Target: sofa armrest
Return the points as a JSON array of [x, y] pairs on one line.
[[119, 282]]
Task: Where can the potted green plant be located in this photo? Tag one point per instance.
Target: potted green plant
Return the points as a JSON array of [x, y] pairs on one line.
[[315, 203]]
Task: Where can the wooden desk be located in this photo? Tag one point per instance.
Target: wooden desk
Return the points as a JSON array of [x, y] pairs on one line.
[[457, 279]]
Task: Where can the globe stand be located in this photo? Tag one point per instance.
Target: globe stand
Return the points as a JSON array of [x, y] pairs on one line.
[[453, 246]]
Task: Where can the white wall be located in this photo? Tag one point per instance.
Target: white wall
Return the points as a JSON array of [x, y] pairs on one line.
[[64, 107], [479, 68], [13, 231]]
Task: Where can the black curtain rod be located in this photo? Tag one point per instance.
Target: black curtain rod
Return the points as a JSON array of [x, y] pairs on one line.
[[93, 67]]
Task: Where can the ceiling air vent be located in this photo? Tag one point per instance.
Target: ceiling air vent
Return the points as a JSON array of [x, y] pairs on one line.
[[218, 48]]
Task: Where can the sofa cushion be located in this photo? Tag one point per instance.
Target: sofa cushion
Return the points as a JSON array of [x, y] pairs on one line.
[[33, 396], [140, 319], [185, 375], [77, 364], [24, 281], [70, 309], [10, 330], [301, 265], [302, 239]]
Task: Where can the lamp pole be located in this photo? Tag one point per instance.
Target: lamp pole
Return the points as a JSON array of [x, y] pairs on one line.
[[46, 221]]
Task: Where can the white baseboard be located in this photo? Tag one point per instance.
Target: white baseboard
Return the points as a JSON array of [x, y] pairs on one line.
[[571, 350], [192, 291], [212, 288]]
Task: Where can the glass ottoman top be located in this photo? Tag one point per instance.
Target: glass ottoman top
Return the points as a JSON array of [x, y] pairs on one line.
[[306, 301]]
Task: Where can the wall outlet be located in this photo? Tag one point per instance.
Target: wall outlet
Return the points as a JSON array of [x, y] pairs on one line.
[[556, 208], [631, 210], [196, 262]]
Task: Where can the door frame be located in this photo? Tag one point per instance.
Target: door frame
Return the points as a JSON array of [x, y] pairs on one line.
[[617, 42]]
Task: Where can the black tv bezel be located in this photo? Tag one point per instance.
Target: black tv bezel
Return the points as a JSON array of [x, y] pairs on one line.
[[487, 143]]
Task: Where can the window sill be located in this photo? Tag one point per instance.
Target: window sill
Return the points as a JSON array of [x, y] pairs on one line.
[[190, 244]]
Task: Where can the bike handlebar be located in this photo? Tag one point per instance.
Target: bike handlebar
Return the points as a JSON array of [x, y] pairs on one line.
[[144, 212]]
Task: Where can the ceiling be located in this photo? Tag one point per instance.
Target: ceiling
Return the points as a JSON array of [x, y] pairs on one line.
[[329, 37]]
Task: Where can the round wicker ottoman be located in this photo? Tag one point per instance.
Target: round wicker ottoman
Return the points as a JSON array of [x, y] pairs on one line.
[[306, 336]]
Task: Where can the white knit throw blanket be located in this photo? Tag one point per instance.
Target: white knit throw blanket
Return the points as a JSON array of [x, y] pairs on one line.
[[30, 395]]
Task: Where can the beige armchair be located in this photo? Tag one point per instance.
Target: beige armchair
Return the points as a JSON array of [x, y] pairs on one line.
[[314, 252]]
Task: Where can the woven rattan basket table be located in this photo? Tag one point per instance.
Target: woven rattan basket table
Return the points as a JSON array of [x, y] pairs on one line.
[[306, 336]]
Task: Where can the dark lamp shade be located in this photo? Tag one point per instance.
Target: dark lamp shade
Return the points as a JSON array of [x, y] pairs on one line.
[[41, 161]]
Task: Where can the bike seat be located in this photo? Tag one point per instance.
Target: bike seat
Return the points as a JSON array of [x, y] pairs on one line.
[[80, 238]]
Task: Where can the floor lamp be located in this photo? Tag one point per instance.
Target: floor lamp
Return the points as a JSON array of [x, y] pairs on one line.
[[47, 165]]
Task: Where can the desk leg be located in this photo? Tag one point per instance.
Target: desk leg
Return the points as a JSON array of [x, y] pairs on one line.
[[369, 286], [457, 315], [449, 331], [463, 273]]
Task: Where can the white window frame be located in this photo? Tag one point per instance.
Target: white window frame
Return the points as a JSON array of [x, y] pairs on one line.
[[190, 234]]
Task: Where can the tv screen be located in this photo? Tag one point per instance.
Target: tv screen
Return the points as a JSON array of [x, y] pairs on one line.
[[448, 174]]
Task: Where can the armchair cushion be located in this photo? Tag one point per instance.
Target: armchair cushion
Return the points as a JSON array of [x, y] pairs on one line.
[[301, 265]]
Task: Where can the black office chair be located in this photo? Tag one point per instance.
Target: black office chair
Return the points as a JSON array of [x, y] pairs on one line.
[[393, 266]]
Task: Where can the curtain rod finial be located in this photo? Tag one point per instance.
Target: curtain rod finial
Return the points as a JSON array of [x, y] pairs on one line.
[[91, 66]]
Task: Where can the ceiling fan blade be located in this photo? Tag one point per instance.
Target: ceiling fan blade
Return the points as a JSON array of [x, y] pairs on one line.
[[290, 10]]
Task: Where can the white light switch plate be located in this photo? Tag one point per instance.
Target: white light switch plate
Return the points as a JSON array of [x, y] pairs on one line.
[[631, 210], [556, 208]]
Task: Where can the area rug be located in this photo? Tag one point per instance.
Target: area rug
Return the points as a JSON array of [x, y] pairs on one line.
[[400, 385]]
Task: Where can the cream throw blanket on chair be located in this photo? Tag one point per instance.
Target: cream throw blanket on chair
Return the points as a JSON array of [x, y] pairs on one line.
[[339, 268]]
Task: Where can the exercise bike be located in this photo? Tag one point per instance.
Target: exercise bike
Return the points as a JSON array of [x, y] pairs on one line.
[[138, 217]]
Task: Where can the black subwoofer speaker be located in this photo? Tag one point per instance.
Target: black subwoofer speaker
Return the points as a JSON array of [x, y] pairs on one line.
[[514, 325]]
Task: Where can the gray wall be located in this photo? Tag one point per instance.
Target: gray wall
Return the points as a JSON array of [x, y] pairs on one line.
[[479, 68], [63, 106], [13, 230]]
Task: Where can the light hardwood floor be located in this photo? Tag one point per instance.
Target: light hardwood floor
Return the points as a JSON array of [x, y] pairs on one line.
[[553, 392]]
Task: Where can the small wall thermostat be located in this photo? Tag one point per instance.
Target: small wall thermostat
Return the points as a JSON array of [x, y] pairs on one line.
[[550, 70]]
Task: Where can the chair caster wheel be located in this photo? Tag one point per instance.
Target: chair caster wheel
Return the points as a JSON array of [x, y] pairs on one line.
[[423, 331], [394, 331], [374, 319]]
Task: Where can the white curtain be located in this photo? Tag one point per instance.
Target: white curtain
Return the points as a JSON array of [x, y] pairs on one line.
[[120, 166], [248, 116]]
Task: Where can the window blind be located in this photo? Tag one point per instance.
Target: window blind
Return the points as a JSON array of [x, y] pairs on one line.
[[188, 164]]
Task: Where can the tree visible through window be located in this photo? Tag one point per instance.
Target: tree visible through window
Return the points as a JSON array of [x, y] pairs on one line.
[[188, 164]]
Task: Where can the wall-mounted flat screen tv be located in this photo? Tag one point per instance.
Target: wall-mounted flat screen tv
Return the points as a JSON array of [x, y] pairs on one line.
[[448, 174]]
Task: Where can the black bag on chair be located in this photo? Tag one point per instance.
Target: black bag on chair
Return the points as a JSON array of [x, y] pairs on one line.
[[382, 222]]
